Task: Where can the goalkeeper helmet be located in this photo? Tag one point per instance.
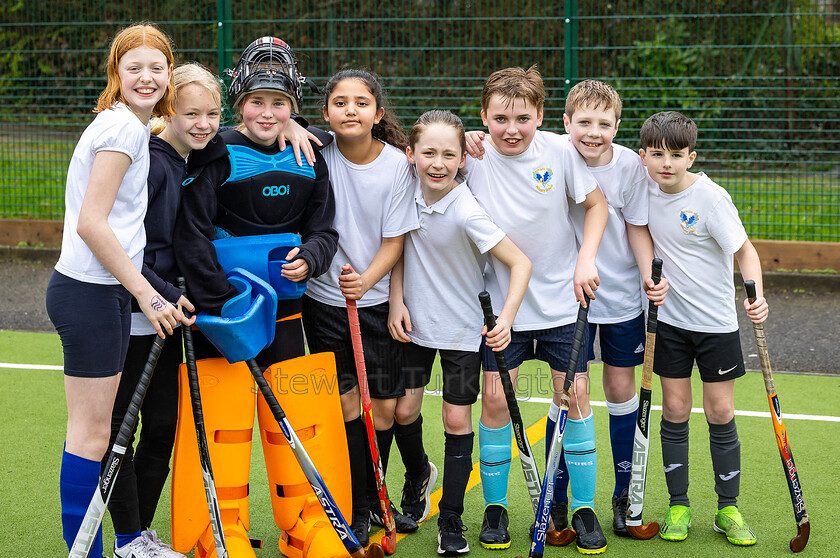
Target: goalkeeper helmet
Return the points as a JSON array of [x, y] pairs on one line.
[[267, 64]]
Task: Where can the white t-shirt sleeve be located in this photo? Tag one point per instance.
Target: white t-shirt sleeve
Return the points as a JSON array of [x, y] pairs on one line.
[[579, 181], [483, 232], [116, 136], [636, 196], [725, 226], [401, 215]]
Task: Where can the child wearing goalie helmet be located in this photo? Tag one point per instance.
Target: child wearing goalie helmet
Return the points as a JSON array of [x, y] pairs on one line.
[[244, 184]]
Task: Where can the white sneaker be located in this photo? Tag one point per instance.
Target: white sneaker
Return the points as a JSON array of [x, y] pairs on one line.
[[138, 548], [160, 548]]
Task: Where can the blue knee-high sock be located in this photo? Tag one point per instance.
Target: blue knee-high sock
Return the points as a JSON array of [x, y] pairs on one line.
[[561, 482], [494, 462], [622, 431], [79, 480], [581, 460]]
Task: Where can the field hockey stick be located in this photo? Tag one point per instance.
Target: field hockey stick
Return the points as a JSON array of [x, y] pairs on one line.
[[526, 455], [547, 493], [201, 436], [803, 523], [641, 440], [342, 529], [99, 502], [389, 541]]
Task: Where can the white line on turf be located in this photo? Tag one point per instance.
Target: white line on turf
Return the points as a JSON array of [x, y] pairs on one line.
[[30, 366], [764, 414], [543, 400]]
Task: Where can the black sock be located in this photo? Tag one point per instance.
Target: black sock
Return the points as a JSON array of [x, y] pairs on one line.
[[409, 439], [674, 439], [359, 452], [726, 462], [457, 465], [383, 440]]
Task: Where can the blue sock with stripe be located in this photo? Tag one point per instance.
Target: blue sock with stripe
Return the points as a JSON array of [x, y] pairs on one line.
[[78, 481], [581, 460], [494, 462], [123, 540], [622, 431], [561, 482]]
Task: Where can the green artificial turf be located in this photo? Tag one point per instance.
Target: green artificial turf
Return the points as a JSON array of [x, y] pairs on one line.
[[34, 416]]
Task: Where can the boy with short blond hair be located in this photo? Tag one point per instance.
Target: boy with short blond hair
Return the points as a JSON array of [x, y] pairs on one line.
[[696, 230], [592, 117], [524, 181]]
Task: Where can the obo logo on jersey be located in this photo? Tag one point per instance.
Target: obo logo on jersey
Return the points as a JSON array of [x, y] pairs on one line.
[[270, 191]]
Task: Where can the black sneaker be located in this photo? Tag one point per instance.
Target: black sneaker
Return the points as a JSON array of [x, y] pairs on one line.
[[619, 507], [361, 527], [494, 529], [415, 496], [403, 523], [560, 514], [590, 538], [451, 540]]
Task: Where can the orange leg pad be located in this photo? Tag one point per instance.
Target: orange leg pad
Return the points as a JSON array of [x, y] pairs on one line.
[[227, 400], [307, 389]]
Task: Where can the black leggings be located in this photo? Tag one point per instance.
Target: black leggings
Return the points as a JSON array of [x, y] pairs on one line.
[[143, 473]]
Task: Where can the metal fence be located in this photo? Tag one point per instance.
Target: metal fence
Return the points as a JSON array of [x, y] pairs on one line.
[[761, 79]]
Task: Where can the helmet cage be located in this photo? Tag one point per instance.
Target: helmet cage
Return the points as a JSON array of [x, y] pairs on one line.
[[267, 63]]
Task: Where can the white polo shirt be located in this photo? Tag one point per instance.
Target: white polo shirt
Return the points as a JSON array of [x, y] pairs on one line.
[[116, 129], [372, 202], [624, 183], [527, 196], [696, 232], [444, 259]]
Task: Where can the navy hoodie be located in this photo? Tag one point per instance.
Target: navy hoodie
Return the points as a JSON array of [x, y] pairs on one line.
[[167, 170]]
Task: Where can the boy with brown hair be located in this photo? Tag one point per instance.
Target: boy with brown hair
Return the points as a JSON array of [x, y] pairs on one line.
[[524, 181]]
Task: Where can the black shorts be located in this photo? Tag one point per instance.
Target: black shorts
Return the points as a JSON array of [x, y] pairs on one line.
[[288, 338], [94, 323], [461, 372], [328, 331], [718, 355]]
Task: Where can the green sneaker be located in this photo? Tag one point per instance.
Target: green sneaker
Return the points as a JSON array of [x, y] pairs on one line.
[[676, 524], [730, 522]]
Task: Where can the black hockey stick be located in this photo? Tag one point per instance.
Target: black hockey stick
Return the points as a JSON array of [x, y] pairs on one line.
[[547, 493], [641, 440], [201, 436], [342, 529], [99, 502], [803, 523], [526, 455]]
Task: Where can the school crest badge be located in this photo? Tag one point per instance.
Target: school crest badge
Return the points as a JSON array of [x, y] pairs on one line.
[[688, 221], [543, 178]]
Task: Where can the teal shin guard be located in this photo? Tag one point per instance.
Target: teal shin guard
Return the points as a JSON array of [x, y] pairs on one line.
[[494, 462], [581, 460]]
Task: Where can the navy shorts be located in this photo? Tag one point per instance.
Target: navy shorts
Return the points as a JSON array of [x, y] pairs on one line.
[[551, 345], [328, 331], [718, 355], [94, 323], [461, 372], [622, 345]]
